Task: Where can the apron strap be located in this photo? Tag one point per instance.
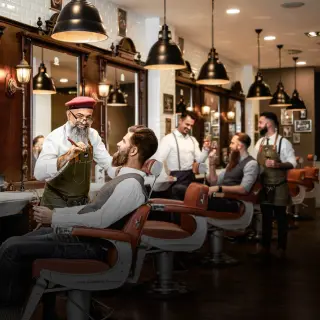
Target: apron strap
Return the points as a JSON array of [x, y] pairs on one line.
[[175, 138]]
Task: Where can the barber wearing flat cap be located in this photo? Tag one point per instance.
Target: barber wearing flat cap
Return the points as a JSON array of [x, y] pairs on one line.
[[66, 158]]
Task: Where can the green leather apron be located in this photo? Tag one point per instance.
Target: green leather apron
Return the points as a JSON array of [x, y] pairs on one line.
[[274, 181], [71, 187]]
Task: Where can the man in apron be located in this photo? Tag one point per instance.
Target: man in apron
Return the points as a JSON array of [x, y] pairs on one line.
[[66, 159], [275, 156]]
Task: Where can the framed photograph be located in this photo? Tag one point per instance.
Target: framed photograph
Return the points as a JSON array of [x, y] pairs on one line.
[[168, 103], [181, 44], [122, 22], [215, 132], [287, 131], [168, 126], [256, 122], [303, 125], [214, 118], [177, 117], [296, 138], [286, 117], [207, 128], [56, 5], [256, 137], [232, 130], [303, 114]]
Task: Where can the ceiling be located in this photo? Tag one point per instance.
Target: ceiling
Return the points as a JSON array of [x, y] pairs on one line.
[[235, 37]]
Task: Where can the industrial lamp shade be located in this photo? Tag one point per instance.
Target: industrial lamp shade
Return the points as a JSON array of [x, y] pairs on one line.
[[213, 71], [79, 22], [297, 103], [165, 54], [116, 98], [280, 97], [259, 90], [23, 70], [42, 83]]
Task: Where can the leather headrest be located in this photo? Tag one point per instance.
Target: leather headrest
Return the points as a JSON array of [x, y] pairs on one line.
[[312, 173], [152, 167], [296, 174], [311, 157]]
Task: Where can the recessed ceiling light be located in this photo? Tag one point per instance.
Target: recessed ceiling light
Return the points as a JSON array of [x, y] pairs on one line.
[[292, 5], [301, 63], [269, 38], [313, 34], [64, 80], [233, 11]]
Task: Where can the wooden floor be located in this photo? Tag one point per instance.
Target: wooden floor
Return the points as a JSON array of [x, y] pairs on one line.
[[249, 291]]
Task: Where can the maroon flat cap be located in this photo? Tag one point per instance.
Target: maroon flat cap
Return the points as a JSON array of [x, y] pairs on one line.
[[81, 103]]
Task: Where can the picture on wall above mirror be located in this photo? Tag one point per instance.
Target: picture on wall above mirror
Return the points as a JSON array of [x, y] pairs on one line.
[[286, 117], [122, 23], [168, 103], [234, 114], [56, 5], [303, 125], [287, 131]]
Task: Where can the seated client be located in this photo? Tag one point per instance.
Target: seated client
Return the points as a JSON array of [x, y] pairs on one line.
[[238, 177], [115, 201]]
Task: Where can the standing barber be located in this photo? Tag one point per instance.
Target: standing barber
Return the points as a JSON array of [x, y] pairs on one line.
[[66, 158], [276, 156], [181, 151]]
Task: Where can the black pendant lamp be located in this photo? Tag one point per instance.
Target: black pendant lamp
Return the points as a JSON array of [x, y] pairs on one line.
[[42, 83], [297, 102], [165, 54], [259, 90], [213, 71], [116, 97], [280, 97], [79, 22]]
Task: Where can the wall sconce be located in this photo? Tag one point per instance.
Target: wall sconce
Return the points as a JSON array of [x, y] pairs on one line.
[[23, 70], [216, 115], [231, 115], [205, 110]]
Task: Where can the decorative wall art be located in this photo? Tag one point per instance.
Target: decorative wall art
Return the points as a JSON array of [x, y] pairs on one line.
[[286, 117], [168, 126], [207, 128], [296, 138], [56, 5], [168, 103], [303, 114], [256, 122], [303, 125], [122, 22], [287, 131]]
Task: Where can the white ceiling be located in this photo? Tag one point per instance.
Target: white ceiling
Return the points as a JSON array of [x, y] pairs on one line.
[[235, 37]]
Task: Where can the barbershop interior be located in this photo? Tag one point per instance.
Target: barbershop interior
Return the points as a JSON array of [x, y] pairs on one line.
[[159, 159]]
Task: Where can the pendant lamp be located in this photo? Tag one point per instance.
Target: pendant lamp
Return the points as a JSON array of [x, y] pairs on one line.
[[79, 22], [259, 90], [42, 83], [116, 97], [165, 54], [297, 102], [213, 71], [280, 97]]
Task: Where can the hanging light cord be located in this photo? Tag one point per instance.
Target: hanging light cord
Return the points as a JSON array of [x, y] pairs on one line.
[[258, 51], [165, 12], [295, 72], [212, 24], [280, 46], [42, 55]]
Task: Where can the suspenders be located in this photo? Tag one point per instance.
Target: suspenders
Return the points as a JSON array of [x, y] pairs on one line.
[[178, 151]]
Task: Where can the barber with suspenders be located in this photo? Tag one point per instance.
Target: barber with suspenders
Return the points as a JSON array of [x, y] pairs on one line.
[[275, 156], [181, 152]]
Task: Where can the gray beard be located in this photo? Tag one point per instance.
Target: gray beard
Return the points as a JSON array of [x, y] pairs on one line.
[[80, 134]]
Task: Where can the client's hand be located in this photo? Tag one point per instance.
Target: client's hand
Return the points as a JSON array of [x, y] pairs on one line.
[[42, 214]]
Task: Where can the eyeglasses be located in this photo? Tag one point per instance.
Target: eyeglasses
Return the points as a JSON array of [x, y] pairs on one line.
[[81, 118]]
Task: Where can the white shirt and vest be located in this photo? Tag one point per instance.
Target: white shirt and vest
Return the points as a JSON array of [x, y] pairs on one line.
[[127, 196], [188, 151], [56, 144]]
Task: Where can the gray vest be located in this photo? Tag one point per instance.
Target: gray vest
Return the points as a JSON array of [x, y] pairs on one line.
[[234, 177], [105, 193]]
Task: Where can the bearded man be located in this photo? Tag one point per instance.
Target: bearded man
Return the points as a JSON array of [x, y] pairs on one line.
[[238, 177], [66, 158]]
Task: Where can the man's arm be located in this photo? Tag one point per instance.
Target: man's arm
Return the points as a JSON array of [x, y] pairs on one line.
[[100, 154], [162, 154], [287, 155], [201, 156], [126, 197]]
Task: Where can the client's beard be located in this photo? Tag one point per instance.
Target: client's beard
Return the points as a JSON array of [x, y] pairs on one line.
[[234, 160], [80, 134], [120, 158]]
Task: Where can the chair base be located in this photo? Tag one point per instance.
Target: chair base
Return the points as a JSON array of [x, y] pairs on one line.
[[169, 290], [221, 260]]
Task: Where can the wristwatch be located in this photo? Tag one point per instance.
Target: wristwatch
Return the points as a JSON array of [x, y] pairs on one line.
[[220, 189]]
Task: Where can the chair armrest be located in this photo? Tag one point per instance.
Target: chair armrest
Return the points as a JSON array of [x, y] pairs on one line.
[[250, 197], [101, 233]]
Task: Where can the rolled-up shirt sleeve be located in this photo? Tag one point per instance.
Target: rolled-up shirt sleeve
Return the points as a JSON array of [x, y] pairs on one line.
[[250, 175], [287, 153]]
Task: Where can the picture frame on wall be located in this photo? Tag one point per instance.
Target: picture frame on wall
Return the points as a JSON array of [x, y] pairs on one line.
[[303, 125], [296, 138], [303, 114], [167, 103], [168, 126], [56, 5], [214, 119], [286, 117], [207, 128], [256, 122], [122, 22], [256, 137], [287, 131]]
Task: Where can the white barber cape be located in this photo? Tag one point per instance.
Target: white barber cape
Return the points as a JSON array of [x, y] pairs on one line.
[[56, 145]]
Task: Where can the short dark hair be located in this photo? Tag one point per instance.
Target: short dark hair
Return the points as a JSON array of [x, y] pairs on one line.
[[36, 139], [271, 116], [244, 138], [190, 114], [145, 140]]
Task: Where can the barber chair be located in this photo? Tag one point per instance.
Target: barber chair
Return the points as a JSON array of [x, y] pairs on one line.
[[166, 238], [219, 222], [79, 278]]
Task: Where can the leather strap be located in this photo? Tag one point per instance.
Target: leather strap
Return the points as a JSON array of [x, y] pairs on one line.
[[178, 151]]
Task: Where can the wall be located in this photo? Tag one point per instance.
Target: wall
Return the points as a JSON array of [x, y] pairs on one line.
[[305, 87]]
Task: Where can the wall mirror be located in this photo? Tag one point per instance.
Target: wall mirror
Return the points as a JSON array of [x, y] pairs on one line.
[[234, 117], [122, 109], [48, 110]]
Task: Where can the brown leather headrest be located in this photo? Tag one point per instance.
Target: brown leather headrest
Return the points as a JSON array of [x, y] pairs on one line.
[[312, 173], [296, 175], [152, 167], [310, 157], [197, 196]]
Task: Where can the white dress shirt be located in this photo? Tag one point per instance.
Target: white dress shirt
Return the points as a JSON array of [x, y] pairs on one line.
[[56, 145], [188, 149], [126, 197], [286, 152]]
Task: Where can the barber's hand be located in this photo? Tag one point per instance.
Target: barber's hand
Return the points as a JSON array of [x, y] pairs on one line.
[[75, 151], [213, 189], [171, 178], [42, 215], [272, 164]]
